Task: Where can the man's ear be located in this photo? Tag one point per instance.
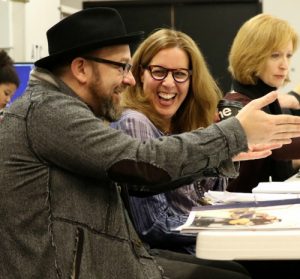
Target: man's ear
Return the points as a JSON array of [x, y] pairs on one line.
[[80, 70]]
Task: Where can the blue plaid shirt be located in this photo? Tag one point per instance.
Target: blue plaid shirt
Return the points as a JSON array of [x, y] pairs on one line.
[[156, 216]]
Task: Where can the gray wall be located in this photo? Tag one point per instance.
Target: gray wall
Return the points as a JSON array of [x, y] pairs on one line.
[[76, 4]]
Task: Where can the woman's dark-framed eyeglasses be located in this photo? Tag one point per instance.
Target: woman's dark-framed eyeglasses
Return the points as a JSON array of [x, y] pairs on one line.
[[126, 67], [157, 72]]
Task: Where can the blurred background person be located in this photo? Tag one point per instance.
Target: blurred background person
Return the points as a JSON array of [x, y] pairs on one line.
[[9, 80], [259, 62]]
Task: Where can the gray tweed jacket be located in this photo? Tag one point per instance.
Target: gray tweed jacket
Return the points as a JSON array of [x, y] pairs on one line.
[[61, 214]]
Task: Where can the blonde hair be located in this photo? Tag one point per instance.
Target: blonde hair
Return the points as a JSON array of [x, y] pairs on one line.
[[255, 42], [199, 107]]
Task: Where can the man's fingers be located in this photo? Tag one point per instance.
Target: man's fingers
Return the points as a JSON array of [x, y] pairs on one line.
[[261, 127], [245, 156], [265, 100], [285, 119], [281, 141], [263, 147]]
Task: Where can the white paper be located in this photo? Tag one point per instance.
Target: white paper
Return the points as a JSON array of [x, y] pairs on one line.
[[287, 187], [219, 197]]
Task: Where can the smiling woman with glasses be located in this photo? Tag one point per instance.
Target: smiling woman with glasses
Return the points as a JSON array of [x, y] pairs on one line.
[[124, 67], [174, 93]]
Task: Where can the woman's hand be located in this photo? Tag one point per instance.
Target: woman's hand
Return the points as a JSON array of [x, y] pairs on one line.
[[288, 101], [261, 127]]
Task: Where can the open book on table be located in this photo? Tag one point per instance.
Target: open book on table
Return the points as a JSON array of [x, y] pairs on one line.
[[261, 215]]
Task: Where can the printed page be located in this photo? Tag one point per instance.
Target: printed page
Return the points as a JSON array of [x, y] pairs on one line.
[[270, 215]]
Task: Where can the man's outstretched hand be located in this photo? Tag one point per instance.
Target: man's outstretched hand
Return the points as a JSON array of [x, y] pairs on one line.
[[261, 127]]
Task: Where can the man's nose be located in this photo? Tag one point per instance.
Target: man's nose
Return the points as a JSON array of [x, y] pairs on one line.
[[129, 79]]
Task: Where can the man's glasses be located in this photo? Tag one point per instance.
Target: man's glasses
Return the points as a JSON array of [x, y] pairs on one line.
[[124, 67], [157, 72]]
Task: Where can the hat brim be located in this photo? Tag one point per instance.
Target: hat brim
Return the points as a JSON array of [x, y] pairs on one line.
[[54, 58]]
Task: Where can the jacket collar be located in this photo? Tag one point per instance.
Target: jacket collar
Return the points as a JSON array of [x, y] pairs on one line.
[[43, 75]]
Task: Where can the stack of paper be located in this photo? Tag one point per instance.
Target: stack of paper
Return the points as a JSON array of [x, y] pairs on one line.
[[248, 245], [220, 197], [256, 230], [278, 187]]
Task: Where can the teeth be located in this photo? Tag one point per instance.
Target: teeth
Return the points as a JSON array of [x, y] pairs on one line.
[[166, 96]]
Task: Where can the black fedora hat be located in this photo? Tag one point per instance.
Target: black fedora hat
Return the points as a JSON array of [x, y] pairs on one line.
[[83, 31]]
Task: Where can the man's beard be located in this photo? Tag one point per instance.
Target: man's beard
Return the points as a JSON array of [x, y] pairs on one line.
[[105, 107], [109, 110]]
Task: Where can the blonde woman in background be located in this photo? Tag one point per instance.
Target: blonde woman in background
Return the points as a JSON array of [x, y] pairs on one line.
[[259, 62]]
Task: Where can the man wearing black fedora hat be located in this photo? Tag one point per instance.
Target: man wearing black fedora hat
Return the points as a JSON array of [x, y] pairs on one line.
[[61, 213]]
